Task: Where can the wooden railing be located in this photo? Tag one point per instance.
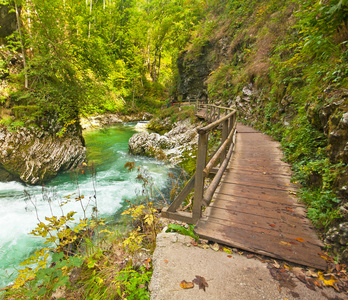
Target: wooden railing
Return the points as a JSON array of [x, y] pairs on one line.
[[225, 119]]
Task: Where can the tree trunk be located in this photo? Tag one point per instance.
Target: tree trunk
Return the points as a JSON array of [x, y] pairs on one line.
[[22, 46]]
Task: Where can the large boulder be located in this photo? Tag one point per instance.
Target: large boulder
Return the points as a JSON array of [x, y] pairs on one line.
[[169, 146], [34, 156]]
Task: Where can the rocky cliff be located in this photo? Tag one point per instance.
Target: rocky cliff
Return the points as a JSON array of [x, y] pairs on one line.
[[34, 156]]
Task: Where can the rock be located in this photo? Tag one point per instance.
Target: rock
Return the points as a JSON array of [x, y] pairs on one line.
[[247, 90], [8, 22], [33, 156], [338, 237], [111, 119], [169, 146]]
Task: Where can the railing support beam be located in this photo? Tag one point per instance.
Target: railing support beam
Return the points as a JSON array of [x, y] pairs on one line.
[[199, 180]]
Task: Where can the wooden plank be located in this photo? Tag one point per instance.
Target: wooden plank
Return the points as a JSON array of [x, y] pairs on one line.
[[265, 231], [303, 253], [249, 200], [183, 194], [282, 223], [178, 215], [252, 172], [215, 182], [270, 185], [255, 193], [199, 182]]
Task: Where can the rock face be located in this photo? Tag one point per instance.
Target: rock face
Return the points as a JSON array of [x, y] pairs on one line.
[[339, 236], [8, 23], [35, 156], [169, 146], [110, 119]]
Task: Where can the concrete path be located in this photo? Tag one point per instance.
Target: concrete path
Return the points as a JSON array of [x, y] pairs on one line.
[[237, 277]]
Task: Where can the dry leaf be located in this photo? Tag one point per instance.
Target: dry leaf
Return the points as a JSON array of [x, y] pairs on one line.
[[194, 243], [331, 281], [201, 282], [300, 240], [229, 256], [310, 273], [146, 263], [298, 272], [186, 285], [289, 209], [272, 225], [284, 243], [276, 265], [215, 247], [166, 261], [249, 256]]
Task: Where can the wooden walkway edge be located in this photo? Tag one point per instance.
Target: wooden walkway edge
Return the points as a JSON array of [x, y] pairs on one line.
[[255, 207]]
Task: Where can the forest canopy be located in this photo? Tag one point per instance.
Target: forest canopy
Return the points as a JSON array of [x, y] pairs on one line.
[[95, 56]]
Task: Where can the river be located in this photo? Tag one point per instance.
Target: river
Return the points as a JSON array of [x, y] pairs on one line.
[[108, 149]]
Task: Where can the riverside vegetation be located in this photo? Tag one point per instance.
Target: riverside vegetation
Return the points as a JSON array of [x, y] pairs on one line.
[[85, 258], [282, 64]]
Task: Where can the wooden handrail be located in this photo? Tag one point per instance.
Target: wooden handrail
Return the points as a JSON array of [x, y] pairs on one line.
[[204, 168]]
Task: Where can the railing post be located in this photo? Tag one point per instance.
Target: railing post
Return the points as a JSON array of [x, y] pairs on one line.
[[224, 135], [199, 181]]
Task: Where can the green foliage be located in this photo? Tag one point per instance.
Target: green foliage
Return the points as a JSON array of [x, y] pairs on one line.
[[133, 284], [97, 58], [183, 230]]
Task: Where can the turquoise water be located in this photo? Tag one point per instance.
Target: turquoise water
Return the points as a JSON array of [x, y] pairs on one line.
[[108, 150]]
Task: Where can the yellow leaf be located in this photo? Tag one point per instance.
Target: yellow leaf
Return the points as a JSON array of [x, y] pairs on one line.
[[330, 282], [186, 285], [227, 250], [284, 243]]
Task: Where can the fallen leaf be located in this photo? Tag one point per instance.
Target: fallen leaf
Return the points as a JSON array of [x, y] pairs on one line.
[[331, 281], [292, 243], [255, 223], [146, 263], [323, 256], [276, 265], [289, 209], [298, 272], [201, 282], [338, 267], [194, 243], [215, 247], [227, 250], [186, 285], [300, 240], [249, 256], [166, 261], [272, 225], [310, 273], [229, 256], [284, 243]]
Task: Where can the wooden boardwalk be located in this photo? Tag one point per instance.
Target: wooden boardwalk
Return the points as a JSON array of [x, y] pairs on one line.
[[255, 207]]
